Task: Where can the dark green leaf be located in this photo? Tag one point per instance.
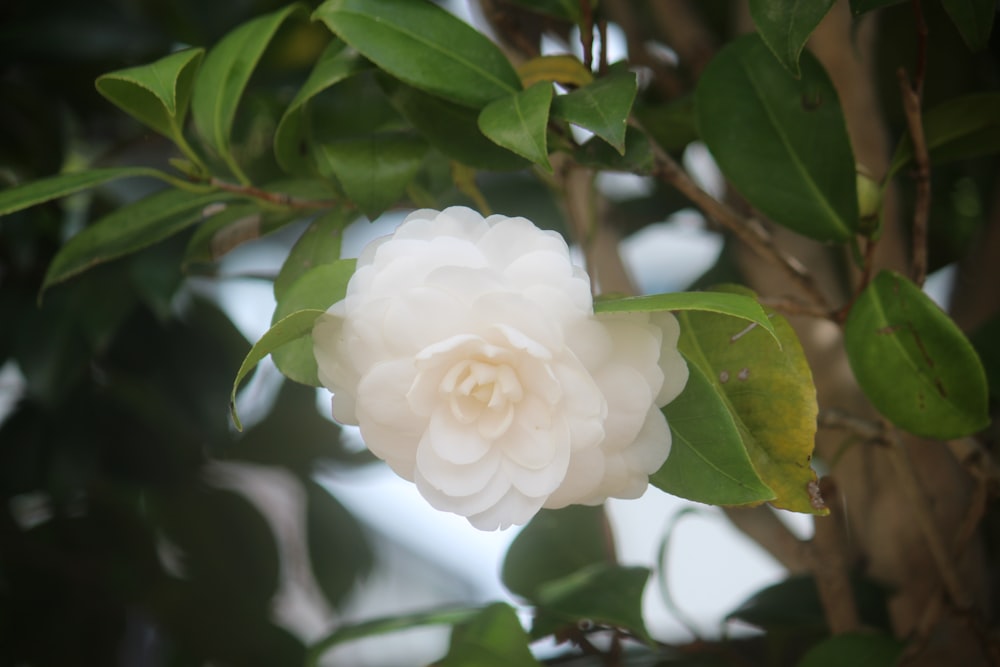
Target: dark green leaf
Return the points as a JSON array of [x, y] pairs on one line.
[[723, 303], [602, 107], [859, 7], [157, 94], [708, 459], [54, 187], [637, 159], [673, 125], [318, 245], [770, 394], [974, 20], [338, 547], [568, 10], [519, 123], [294, 326], [374, 170], [913, 362], [292, 136], [785, 26], [128, 229], [602, 593], [422, 44], [223, 77], [381, 626], [451, 128], [958, 129], [856, 649], [781, 141], [555, 544], [318, 288], [492, 638]]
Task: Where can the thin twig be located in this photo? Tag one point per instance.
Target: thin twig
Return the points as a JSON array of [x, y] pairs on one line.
[[277, 198], [921, 173], [828, 562], [587, 33], [746, 229]]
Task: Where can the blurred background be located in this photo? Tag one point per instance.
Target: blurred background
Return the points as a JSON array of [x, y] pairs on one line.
[[137, 526]]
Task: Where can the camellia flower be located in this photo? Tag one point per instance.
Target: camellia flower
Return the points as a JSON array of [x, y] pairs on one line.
[[468, 352]]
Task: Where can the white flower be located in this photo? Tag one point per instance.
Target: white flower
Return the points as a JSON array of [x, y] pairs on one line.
[[468, 352]]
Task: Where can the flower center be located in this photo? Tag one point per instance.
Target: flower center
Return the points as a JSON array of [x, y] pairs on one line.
[[483, 393]]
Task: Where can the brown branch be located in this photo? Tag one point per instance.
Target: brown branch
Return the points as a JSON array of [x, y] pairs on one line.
[[936, 545], [829, 564], [277, 198], [794, 307], [921, 173], [762, 526], [587, 33], [748, 230]]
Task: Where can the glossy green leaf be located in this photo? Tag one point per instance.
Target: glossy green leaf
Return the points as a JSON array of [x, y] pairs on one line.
[[450, 128], [553, 545], [293, 135], [318, 288], [602, 107], [230, 227], [913, 362], [856, 649], [387, 624], [292, 327], [318, 245], [781, 141], [785, 26], [859, 7], [770, 393], [224, 75], [708, 459], [157, 94], [422, 44], [519, 123], [374, 170], [603, 593], [673, 125], [974, 20], [130, 228], [961, 128], [46, 189], [568, 10], [724, 303], [492, 638]]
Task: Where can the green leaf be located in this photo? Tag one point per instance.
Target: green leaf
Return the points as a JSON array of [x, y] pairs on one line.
[[602, 107], [157, 94], [958, 129], [384, 625], [913, 362], [450, 128], [492, 638], [223, 77], [37, 192], [637, 159], [856, 649], [974, 20], [292, 327], [785, 26], [318, 288], [672, 125], [338, 546], [553, 545], [859, 7], [422, 44], [318, 245], [782, 142], [708, 459], [292, 136], [128, 229], [374, 170], [519, 123], [769, 392], [602, 593], [724, 303]]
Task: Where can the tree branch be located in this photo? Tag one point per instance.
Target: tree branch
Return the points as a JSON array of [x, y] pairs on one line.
[[921, 174]]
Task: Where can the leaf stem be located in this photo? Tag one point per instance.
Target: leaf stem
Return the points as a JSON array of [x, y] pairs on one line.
[[277, 198]]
